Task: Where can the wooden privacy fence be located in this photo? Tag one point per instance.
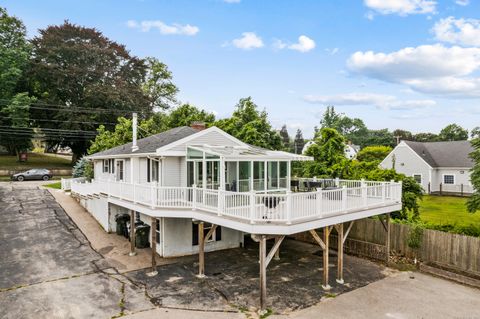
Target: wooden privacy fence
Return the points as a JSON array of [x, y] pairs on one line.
[[367, 238]]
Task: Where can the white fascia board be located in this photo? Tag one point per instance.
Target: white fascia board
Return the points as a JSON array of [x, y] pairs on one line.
[[91, 157], [260, 229]]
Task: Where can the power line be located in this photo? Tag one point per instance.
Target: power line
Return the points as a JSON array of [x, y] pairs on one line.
[[61, 134], [60, 121], [47, 129]]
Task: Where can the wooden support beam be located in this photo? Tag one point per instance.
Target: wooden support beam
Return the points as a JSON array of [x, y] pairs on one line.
[[277, 252], [153, 230], [317, 238], [326, 235], [274, 249], [340, 241], [132, 234], [263, 272], [201, 250], [347, 232], [210, 233]]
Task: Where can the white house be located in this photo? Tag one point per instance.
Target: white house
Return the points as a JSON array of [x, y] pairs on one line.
[[437, 166], [203, 190]]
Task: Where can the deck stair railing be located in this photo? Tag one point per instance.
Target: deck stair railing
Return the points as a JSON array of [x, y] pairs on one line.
[[253, 207]]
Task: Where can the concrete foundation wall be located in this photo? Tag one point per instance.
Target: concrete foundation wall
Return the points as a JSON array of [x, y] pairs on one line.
[[98, 208]]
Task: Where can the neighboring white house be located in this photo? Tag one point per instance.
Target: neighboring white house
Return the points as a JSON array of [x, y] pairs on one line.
[[351, 150], [437, 166]]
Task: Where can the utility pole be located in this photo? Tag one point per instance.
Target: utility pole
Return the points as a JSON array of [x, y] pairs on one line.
[[398, 139]]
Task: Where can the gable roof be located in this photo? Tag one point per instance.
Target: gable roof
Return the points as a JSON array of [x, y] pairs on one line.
[[149, 144], [443, 154]]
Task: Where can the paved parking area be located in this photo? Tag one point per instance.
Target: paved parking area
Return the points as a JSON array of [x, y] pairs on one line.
[[47, 267]]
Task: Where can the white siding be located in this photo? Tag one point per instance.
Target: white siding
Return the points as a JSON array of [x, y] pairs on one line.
[[459, 179], [210, 138], [172, 171], [408, 162]]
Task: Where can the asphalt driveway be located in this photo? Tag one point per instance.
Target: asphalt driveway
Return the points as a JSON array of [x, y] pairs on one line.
[[47, 267]]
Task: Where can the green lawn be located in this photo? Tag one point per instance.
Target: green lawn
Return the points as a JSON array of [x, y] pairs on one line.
[[56, 185], [35, 160], [450, 214]]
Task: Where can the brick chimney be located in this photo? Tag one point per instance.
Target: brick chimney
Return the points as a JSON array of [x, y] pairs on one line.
[[197, 125]]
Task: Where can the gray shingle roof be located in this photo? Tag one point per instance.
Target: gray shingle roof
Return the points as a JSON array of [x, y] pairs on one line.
[[151, 143], [444, 154]]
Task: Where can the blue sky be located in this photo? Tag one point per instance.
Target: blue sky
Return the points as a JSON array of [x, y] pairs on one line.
[[411, 64]]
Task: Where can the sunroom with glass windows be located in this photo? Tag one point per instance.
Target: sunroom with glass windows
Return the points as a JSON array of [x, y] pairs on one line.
[[239, 169]]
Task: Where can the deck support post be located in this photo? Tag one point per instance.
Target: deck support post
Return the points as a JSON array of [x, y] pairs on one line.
[[326, 235], [263, 272], [201, 250], [153, 230], [132, 234], [340, 241]]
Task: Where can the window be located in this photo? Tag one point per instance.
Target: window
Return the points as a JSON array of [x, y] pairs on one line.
[[216, 236], [120, 170], [417, 178], [449, 179], [105, 166]]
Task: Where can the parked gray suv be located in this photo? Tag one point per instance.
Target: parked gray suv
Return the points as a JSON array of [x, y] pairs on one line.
[[33, 174]]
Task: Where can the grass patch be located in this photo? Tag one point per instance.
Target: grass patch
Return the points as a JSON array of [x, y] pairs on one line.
[[56, 185], [35, 160], [448, 213]]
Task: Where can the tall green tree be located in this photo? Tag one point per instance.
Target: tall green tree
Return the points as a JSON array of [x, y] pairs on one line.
[[475, 133], [353, 129], [473, 203], [158, 85], [18, 137], [373, 153], [453, 132], [185, 114], [251, 126], [298, 142], [287, 145], [426, 137], [327, 151], [14, 54], [76, 71]]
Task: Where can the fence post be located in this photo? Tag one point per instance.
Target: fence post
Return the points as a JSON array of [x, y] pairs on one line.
[[152, 195], [337, 182], [344, 197], [319, 199], [220, 201], [194, 196], [429, 188], [289, 207], [383, 191], [364, 193], [461, 189], [440, 188], [252, 208]]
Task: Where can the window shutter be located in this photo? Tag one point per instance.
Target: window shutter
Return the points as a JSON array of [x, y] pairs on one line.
[[218, 233], [194, 234], [148, 170]]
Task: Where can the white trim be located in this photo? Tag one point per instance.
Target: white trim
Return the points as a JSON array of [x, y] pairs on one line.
[[198, 134], [91, 157], [454, 179]]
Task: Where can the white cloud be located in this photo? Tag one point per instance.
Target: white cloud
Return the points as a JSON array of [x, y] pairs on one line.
[[248, 41], [304, 44], [382, 101], [401, 7], [428, 68], [463, 2], [458, 31], [279, 44], [163, 28]]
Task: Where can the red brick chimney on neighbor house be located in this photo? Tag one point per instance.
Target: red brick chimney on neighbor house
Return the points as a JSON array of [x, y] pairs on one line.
[[199, 126]]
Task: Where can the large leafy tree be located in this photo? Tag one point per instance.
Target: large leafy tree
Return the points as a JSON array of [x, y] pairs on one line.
[[473, 203], [426, 137], [251, 126], [77, 71], [352, 129], [14, 112], [475, 132], [185, 114], [327, 151], [158, 85], [453, 132], [373, 153], [285, 138]]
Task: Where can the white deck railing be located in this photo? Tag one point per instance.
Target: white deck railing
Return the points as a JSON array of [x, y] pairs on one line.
[[280, 207]]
